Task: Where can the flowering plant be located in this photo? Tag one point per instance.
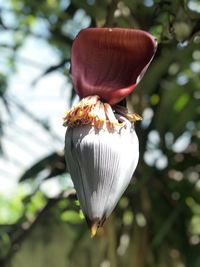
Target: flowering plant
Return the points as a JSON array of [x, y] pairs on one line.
[[101, 146]]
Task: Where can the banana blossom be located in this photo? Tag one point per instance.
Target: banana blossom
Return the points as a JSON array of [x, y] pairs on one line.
[[101, 145]]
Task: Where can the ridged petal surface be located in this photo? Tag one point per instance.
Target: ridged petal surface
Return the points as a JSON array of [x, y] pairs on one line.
[[101, 164], [108, 62]]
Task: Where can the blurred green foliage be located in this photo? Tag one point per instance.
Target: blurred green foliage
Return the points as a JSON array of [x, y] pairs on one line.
[[157, 221]]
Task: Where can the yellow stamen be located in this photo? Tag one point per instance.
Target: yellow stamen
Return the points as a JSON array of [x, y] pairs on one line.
[[110, 115], [93, 229], [133, 117], [102, 115], [91, 111], [80, 113]]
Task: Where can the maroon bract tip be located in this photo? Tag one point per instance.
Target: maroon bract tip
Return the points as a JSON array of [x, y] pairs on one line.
[[109, 62]]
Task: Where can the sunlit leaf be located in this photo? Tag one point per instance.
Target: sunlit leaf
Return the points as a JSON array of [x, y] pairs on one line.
[[53, 165], [181, 102], [71, 216]]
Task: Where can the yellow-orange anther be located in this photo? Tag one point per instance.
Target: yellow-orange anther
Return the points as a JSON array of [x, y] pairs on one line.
[[92, 111]]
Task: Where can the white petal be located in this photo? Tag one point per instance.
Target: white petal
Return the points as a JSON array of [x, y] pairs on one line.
[[101, 164]]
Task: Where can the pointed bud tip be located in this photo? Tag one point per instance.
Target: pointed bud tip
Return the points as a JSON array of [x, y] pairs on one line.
[[93, 229]]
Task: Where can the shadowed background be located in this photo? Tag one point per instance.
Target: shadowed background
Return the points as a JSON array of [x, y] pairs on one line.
[[157, 221]]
